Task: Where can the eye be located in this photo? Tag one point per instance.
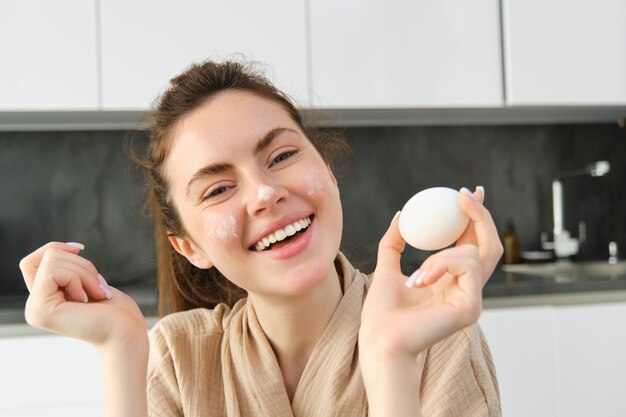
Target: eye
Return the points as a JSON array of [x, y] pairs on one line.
[[214, 192], [283, 156]]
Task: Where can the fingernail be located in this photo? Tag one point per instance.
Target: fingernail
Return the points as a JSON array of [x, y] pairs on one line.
[[76, 245], [420, 278], [467, 193], [85, 298], [106, 291], [409, 282], [104, 287], [416, 278], [396, 216], [481, 189]]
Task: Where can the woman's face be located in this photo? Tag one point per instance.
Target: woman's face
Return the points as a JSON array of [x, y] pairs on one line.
[[242, 174]]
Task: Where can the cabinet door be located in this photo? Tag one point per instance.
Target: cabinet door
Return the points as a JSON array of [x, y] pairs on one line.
[[48, 373], [146, 42], [522, 345], [48, 57], [562, 52], [591, 368], [430, 53]]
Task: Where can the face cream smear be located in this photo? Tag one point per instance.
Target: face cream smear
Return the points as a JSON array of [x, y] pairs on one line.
[[265, 192], [226, 228], [314, 181]]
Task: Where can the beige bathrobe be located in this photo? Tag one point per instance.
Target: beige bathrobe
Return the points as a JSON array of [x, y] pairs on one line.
[[219, 363]]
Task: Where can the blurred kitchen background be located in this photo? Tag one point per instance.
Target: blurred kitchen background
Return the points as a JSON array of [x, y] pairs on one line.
[[507, 94], [81, 186]]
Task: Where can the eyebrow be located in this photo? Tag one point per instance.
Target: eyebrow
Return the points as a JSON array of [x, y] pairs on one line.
[[220, 167]]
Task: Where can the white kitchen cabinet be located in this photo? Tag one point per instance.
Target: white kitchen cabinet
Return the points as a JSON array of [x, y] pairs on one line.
[[146, 42], [49, 375], [48, 55], [377, 54], [522, 345], [561, 361], [562, 52], [591, 367]]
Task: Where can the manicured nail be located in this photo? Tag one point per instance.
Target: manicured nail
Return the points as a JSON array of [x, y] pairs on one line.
[[409, 282], [481, 189], [420, 279], [416, 278], [106, 291], [76, 245], [396, 216], [104, 287], [85, 298], [467, 193]]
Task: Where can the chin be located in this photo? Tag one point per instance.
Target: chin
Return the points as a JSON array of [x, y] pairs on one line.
[[306, 278]]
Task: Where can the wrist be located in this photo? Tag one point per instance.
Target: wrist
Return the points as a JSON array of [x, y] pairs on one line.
[[124, 367], [392, 384]]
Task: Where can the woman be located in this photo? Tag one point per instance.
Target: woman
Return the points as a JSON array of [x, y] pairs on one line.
[[269, 318]]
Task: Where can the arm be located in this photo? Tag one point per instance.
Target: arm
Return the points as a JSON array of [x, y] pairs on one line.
[[124, 371], [402, 318], [69, 297], [392, 385]]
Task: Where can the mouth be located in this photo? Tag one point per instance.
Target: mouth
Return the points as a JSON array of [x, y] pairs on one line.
[[283, 237]]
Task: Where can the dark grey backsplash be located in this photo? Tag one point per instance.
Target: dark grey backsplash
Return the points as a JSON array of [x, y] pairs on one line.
[[81, 186], [72, 186]]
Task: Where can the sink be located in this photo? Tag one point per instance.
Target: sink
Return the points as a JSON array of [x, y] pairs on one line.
[[572, 270]]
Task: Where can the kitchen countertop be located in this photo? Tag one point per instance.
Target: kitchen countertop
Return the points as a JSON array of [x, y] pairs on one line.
[[504, 289]]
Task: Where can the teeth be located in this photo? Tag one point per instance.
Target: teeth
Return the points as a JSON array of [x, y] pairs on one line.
[[281, 234]]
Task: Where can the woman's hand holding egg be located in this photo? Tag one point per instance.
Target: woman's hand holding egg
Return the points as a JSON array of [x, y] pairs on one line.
[[444, 294]]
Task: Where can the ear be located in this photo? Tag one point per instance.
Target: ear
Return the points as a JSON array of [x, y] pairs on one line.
[[190, 251]]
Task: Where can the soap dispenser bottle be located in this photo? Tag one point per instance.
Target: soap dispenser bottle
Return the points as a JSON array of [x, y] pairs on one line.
[[511, 245]]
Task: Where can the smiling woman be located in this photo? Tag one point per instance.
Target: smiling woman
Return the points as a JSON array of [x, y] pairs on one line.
[[182, 285], [263, 315]]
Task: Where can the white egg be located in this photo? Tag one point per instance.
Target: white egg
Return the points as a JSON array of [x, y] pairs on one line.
[[433, 219]]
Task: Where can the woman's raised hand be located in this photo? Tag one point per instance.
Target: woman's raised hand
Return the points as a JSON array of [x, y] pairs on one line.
[[69, 297], [443, 295]]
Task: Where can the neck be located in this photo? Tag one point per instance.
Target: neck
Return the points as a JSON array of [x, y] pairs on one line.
[[294, 326]]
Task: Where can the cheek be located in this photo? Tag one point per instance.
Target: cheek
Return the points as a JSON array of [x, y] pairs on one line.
[[317, 180], [222, 228]]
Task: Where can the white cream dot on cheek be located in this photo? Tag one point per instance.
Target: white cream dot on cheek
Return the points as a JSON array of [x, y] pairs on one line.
[[265, 192], [223, 228], [315, 181]]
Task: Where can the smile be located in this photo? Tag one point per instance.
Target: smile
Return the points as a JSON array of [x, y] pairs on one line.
[[282, 234]]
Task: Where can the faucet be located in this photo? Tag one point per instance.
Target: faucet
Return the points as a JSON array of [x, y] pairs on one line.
[[563, 244]]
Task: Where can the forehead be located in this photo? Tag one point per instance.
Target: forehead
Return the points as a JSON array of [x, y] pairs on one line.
[[221, 129], [232, 115]]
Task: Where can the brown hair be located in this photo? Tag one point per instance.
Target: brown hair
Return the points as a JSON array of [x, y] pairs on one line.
[[182, 286]]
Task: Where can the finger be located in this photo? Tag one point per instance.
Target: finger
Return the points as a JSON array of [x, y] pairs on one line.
[[59, 269], [29, 264], [479, 193], [487, 238], [464, 264], [74, 284], [391, 246], [462, 251], [95, 285], [92, 282]]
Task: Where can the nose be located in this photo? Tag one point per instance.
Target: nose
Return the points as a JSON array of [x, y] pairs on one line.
[[265, 195]]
